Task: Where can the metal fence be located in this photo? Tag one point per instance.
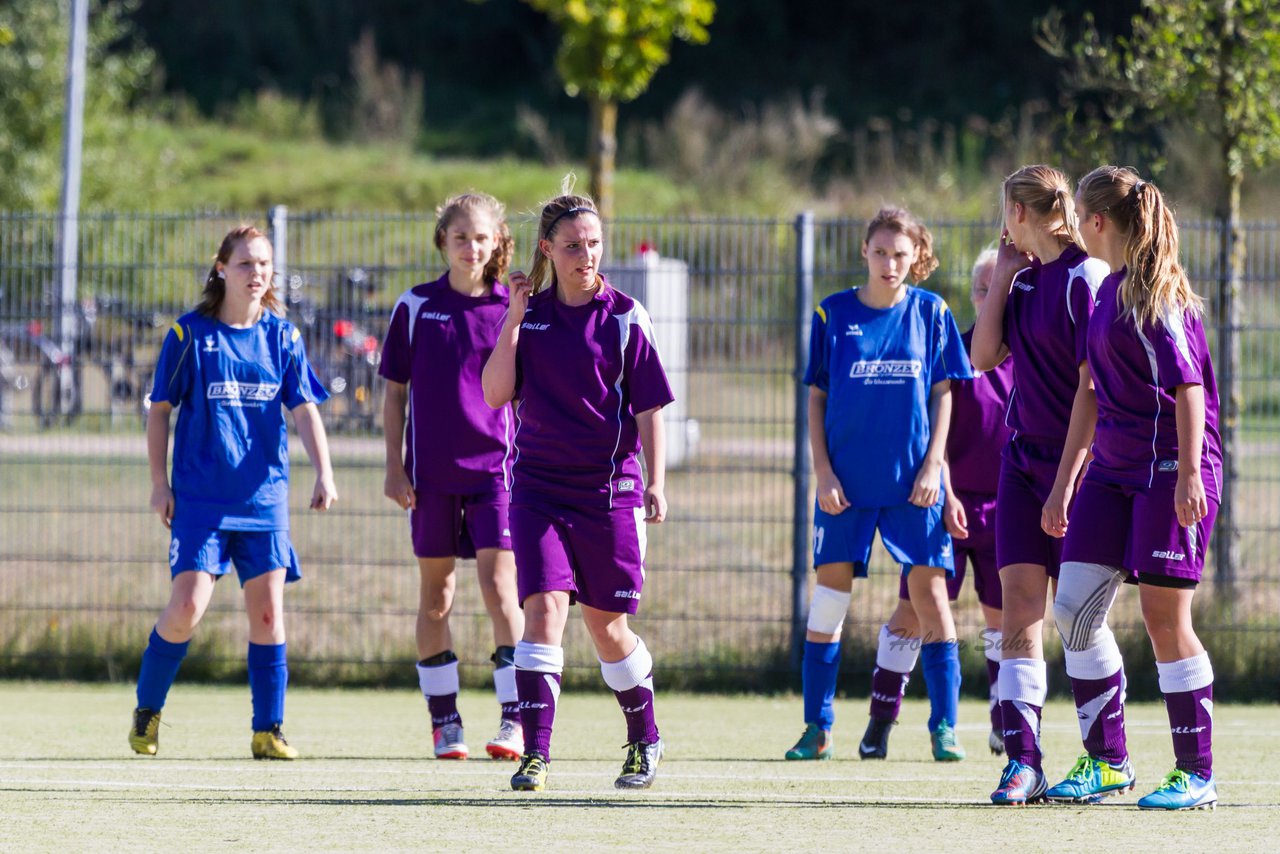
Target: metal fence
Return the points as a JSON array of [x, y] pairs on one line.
[[83, 569]]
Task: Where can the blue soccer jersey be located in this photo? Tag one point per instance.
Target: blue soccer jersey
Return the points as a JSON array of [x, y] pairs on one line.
[[230, 446], [877, 367]]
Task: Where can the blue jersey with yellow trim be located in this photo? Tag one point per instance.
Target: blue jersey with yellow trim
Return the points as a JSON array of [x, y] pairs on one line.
[[230, 446], [877, 367]]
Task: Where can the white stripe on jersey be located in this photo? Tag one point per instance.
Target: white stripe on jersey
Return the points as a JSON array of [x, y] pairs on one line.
[[624, 337], [1092, 271], [1155, 380], [412, 303]]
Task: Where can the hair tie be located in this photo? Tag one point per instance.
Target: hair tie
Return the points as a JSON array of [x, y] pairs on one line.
[[546, 234], [1138, 185]]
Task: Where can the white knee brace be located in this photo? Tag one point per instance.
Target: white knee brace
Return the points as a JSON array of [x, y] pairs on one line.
[[827, 610], [1085, 594]]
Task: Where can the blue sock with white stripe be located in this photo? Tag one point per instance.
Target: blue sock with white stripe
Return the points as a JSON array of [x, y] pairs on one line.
[[160, 662], [820, 669], [268, 677], [941, 662]]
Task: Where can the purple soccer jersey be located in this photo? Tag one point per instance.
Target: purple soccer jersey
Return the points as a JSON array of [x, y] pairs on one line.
[[978, 433], [1135, 372], [438, 342], [1046, 321], [582, 372]]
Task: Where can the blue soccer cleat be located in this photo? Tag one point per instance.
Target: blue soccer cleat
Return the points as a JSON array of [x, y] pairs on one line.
[[814, 743], [1019, 785], [1182, 790], [1091, 780]]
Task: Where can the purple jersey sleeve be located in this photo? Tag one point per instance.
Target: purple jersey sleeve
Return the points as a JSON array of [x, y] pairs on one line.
[[1080, 301], [646, 380], [816, 374], [397, 358], [173, 377], [299, 384], [1177, 354]]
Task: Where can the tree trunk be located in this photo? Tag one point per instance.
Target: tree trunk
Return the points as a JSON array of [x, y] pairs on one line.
[[1230, 269], [602, 147]]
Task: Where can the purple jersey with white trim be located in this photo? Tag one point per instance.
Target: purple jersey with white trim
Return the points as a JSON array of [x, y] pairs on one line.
[[978, 433], [1046, 322], [582, 372], [1135, 372], [437, 343]]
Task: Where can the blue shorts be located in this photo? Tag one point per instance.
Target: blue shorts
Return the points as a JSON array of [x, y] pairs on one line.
[[913, 536], [213, 550]]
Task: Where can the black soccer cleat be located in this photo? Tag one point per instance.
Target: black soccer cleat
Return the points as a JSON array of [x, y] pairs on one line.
[[875, 741]]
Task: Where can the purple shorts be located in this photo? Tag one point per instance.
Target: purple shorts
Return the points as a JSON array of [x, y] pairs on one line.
[[446, 525], [1136, 528], [1027, 473], [978, 550], [597, 555]]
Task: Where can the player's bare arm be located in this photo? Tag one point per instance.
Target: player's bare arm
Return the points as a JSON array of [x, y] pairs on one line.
[[306, 419]]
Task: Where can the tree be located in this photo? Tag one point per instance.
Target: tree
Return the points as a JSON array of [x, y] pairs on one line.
[[33, 51], [1214, 64], [609, 51]]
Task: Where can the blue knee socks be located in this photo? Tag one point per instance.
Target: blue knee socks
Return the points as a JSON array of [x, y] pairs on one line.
[[160, 662], [941, 662], [268, 677], [821, 666]]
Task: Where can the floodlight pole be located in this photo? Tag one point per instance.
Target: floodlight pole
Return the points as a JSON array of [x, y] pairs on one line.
[[69, 224]]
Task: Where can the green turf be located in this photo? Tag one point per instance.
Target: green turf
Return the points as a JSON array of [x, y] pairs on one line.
[[70, 783]]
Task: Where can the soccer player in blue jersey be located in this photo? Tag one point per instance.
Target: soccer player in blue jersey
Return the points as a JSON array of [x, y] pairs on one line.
[[228, 367], [881, 362]]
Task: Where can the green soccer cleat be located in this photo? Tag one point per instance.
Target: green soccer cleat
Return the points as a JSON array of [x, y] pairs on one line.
[[1091, 780], [144, 735], [531, 776], [641, 765], [270, 744], [814, 743], [1182, 790], [944, 744]]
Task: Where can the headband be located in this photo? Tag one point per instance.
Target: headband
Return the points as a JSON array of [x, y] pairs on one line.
[[563, 214]]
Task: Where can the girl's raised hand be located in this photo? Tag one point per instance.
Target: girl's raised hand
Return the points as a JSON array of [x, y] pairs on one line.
[[520, 291], [1008, 260]]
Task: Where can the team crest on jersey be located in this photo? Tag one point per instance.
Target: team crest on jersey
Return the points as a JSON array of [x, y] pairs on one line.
[[854, 329], [1167, 466], [210, 344], [626, 485]]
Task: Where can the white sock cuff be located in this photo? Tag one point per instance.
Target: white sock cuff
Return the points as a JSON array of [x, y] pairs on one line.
[[992, 641], [439, 680], [629, 672], [1187, 674], [896, 653], [540, 657], [504, 684], [1099, 661], [1024, 680]]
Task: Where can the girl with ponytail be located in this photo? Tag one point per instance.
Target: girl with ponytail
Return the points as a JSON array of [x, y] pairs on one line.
[[1037, 311], [1147, 504], [448, 458]]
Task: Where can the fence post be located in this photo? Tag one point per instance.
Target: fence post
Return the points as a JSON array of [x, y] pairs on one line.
[[1226, 545], [278, 217], [800, 534]]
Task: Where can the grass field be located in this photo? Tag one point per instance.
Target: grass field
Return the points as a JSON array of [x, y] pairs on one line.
[[70, 783]]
